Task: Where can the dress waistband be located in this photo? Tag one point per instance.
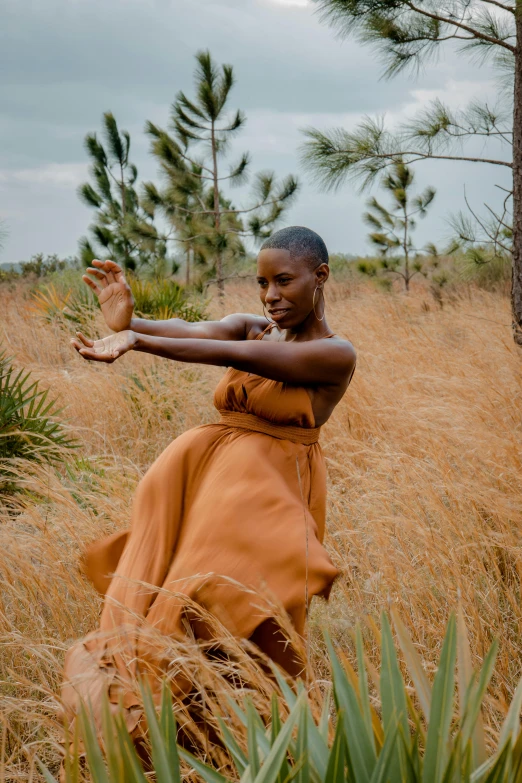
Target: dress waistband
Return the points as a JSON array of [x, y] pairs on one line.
[[247, 421]]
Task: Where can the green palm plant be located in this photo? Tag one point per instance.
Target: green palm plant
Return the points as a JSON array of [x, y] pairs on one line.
[[419, 737], [29, 429], [163, 299], [61, 306]]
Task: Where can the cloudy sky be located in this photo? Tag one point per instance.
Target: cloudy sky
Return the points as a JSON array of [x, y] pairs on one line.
[[65, 62]]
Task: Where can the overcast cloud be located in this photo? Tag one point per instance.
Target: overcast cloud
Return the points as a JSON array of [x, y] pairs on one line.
[[65, 62]]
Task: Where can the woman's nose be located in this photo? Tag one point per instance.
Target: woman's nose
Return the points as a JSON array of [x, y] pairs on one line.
[[272, 294]]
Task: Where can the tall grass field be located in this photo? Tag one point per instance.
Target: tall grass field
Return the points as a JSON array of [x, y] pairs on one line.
[[424, 458]]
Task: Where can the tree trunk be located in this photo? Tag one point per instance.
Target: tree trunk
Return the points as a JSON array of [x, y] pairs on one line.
[[217, 217], [122, 188], [128, 259], [187, 271], [406, 256], [516, 280]]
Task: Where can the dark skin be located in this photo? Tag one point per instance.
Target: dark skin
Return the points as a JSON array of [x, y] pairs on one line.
[[294, 352]]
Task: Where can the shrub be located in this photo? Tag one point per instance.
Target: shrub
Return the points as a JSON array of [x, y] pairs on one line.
[[417, 734], [41, 266], [55, 305], [162, 299], [342, 265], [484, 268], [29, 430]]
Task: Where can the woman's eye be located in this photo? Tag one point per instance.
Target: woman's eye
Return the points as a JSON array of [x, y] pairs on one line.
[[285, 280]]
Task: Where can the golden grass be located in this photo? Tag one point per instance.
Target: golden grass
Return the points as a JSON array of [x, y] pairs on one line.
[[425, 486]]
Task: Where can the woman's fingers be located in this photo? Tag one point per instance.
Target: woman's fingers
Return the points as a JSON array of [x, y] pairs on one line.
[[107, 265], [113, 270], [76, 344], [90, 354], [101, 276], [92, 284], [85, 340], [102, 271]]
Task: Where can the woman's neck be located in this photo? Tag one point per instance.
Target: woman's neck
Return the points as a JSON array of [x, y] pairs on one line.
[[308, 330]]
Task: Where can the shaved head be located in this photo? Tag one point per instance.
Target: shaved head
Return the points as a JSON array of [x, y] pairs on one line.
[[302, 244]]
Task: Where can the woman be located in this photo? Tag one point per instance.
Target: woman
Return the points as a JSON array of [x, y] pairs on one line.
[[231, 515]]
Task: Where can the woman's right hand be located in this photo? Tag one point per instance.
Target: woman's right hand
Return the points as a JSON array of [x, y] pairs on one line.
[[108, 349], [113, 292]]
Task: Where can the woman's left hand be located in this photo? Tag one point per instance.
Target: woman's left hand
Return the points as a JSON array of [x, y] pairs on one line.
[[106, 350]]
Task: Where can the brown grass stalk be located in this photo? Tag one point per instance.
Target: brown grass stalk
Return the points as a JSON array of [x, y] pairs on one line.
[[424, 457]]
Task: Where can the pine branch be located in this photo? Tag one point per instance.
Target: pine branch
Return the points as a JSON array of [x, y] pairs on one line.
[[237, 123], [95, 149], [335, 155], [455, 23], [509, 8], [89, 196], [113, 137]]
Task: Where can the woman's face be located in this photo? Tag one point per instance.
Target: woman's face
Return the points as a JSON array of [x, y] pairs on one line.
[[287, 285]]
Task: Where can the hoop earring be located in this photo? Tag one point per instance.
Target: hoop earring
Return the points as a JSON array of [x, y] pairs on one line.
[[267, 318], [313, 305]]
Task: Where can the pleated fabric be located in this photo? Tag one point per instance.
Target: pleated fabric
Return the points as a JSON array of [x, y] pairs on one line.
[[230, 517]]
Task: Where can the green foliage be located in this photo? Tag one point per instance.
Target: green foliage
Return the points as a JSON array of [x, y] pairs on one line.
[[122, 228], [39, 266], [417, 736], [186, 202], [486, 246], [164, 299], [191, 199], [56, 304], [8, 274], [29, 429], [392, 228], [66, 301], [408, 35], [369, 268], [484, 267], [205, 220], [42, 266]]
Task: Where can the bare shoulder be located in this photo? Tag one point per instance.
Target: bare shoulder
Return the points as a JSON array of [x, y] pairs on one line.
[[343, 355], [344, 347]]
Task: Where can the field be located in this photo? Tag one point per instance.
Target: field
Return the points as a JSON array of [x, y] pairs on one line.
[[425, 483]]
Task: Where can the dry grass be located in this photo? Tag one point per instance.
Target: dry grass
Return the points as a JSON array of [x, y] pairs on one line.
[[424, 457]]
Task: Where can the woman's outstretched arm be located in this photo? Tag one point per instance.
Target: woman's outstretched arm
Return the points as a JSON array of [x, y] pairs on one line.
[[309, 363], [107, 280], [315, 361], [232, 327]]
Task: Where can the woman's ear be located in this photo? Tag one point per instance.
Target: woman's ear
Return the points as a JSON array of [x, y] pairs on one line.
[[322, 273]]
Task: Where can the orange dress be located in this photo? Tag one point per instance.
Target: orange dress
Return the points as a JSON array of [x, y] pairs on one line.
[[231, 515]]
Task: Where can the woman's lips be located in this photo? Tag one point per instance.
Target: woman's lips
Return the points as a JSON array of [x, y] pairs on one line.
[[279, 313]]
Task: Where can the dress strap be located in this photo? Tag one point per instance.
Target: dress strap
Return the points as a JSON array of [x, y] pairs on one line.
[[271, 326], [265, 330]]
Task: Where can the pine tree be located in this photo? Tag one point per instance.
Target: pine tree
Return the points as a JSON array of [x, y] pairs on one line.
[[186, 202], [205, 125], [114, 197], [408, 33], [392, 228]]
